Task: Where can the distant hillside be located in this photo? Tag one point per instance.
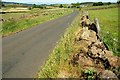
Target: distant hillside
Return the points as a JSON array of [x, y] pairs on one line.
[[10, 3], [90, 3], [29, 4], [84, 3]]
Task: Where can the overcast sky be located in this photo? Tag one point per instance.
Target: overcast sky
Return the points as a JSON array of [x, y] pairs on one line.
[[58, 1]]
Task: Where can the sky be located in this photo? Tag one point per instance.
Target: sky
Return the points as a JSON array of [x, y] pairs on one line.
[[57, 1]]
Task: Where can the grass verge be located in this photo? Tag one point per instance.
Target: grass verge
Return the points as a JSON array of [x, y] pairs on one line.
[[27, 20], [60, 53]]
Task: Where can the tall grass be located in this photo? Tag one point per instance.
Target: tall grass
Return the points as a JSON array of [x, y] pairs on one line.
[[60, 53]]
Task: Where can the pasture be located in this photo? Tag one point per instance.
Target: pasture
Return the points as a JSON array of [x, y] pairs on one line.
[[99, 7], [108, 20], [19, 19]]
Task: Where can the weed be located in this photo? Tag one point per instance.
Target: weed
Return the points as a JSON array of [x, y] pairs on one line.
[[89, 74]]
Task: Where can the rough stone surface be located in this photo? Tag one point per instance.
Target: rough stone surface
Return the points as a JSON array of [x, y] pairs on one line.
[[91, 52], [107, 74]]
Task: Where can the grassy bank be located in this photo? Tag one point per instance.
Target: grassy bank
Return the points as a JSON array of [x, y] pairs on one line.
[[15, 22], [108, 20], [61, 53]]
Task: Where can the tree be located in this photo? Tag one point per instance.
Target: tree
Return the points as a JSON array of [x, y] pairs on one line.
[[118, 2], [2, 4], [29, 8], [61, 6], [75, 5], [68, 6], [34, 5], [98, 4], [37, 6], [108, 3], [95, 4]]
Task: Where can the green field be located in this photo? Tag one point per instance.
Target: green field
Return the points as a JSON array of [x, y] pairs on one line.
[[17, 21], [100, 7], [108, 20]]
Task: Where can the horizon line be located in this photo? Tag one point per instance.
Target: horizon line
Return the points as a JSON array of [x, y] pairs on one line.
[[53, 2]]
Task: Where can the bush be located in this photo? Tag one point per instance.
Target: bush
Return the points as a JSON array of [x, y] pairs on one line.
[[61, 6], [98, 4], [37, 6], [68, 6], [29, 8], [89, 74], [75, 5], [2, 5], [118, 2], [108, 3]]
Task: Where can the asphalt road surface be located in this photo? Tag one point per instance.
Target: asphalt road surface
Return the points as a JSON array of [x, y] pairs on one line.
[[25, 52]]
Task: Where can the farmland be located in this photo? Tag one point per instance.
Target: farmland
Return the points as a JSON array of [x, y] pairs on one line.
[[18, 19], [100, 7], [108, 20], [58, 64]]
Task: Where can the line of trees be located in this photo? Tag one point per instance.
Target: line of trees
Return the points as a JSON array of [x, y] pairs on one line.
[[118, 2], [98, 4], [101, 3], [61, 6], [1, 5], [38, 6], [75, 5]]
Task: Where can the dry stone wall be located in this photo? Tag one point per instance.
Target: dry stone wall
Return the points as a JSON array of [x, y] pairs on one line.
[[93, 52]]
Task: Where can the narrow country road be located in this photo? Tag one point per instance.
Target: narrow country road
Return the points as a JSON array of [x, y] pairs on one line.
[[24, 52]]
